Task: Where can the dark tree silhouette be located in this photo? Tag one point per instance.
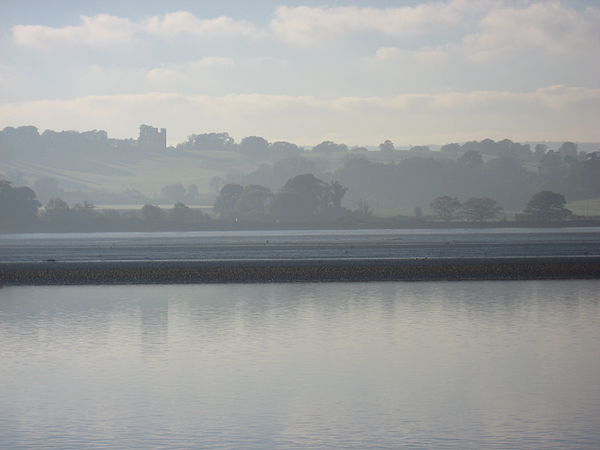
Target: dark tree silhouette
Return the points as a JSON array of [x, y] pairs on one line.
[[152, 213], [445, 207], [330, 147], [335, 194], [479, 209], [227, 199], [471, 159], [208, 141], [305, 198], [284, 149], [547, 206], [18, 206], [254, 147], [254, 202], [387, 146], [568, 149]]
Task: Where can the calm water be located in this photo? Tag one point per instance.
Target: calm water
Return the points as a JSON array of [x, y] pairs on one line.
[[374, 365]]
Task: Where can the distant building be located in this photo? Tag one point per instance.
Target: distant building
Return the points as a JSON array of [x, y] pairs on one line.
[[152, 138]]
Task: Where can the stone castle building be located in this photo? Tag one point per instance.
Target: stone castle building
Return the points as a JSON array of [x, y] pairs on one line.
[[152, 138]]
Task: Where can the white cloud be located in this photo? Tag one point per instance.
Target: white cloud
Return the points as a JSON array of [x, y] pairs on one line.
[[547, 27], [184, 22], [310, 25], [203, 73], [422, 56], [107, 30], [512, 48], [100, 30], [557, 113], [191, 71]]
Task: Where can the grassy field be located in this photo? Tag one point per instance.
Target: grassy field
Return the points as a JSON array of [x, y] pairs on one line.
[[147, 174], [589, 207]]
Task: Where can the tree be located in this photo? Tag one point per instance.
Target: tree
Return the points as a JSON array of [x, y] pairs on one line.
[[471, 159], [151, 213], [86, 208], [208, 142], [336, 193], [254, 147], [254, 202], [56, 207], [547, 206], [568, 149], [480, 209], [59, 215], [450, 148], [445, 207], [181, 214], [330, 147], [282, 148], [289, 206], [227, 199], [364, 209], [539, 151], [305, 197], [387, 146], [18, 206]]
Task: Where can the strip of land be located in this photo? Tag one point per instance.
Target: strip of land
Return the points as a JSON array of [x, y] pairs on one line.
[[305, 270]]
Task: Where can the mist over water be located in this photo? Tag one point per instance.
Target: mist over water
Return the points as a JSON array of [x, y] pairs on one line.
[[182, 141], [431, 365]]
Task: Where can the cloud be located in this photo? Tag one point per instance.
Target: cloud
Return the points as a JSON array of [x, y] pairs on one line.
[[547, 27], [556, 113], [200, 75], [421, 56], [107, 30], [191, 71], [185, 23], [100, 30], [512, 48], [311, 25]]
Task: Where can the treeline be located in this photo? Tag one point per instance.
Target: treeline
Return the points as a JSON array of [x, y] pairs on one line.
[[507, 178], [543, 207], [15, 140], [20, 212], [304, 201]]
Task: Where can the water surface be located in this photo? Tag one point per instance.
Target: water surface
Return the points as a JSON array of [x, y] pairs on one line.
[[301, 244], [360, 365]]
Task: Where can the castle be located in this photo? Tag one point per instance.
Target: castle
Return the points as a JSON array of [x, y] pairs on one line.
[[152, 138]]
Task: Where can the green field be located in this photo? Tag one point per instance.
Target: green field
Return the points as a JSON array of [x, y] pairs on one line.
[[148, 173], [589, 207]]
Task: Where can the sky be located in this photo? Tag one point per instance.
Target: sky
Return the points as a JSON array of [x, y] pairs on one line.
[[414, 72]]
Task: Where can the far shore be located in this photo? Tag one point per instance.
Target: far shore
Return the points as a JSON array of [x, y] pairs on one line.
[[217, 225]]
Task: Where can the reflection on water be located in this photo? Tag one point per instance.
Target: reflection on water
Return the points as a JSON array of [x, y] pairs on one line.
[[497, 364]]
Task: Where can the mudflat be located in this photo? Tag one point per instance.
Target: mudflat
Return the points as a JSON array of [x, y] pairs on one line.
[[298, 270]]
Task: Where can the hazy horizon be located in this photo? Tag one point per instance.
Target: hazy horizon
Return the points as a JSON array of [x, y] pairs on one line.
[[418, 72]]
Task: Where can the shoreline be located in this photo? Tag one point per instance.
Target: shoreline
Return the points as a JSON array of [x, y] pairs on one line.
[[298, 270], [375, 224]]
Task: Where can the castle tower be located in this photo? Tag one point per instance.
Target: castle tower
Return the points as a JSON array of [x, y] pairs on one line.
[[152, 138]]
